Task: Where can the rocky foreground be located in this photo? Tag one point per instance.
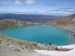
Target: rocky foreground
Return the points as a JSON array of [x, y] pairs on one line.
[[14, 47]]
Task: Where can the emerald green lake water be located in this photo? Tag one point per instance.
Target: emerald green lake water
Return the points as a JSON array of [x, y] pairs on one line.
[[39, 33]]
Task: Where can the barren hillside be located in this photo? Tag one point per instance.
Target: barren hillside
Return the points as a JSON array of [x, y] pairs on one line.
[[67, 22], [13, 23]]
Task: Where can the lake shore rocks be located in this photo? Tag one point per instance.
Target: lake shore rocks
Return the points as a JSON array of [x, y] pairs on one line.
[[9, 46]]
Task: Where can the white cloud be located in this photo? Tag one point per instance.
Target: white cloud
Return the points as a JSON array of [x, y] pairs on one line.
[[17, 2], [5, 3], [30, 1]]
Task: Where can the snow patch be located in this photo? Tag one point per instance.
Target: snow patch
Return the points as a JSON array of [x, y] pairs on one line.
[[59, 53]]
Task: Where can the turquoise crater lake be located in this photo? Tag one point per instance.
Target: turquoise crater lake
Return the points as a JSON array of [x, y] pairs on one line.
[[39, 33]]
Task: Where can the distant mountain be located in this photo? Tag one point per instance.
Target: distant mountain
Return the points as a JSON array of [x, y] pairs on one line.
[[29, 17]]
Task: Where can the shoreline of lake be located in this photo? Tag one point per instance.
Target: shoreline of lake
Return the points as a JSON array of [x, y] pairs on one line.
[[30, 23], [46, 26]]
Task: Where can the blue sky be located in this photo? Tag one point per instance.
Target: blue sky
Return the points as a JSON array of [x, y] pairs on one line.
[[54, 7]]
